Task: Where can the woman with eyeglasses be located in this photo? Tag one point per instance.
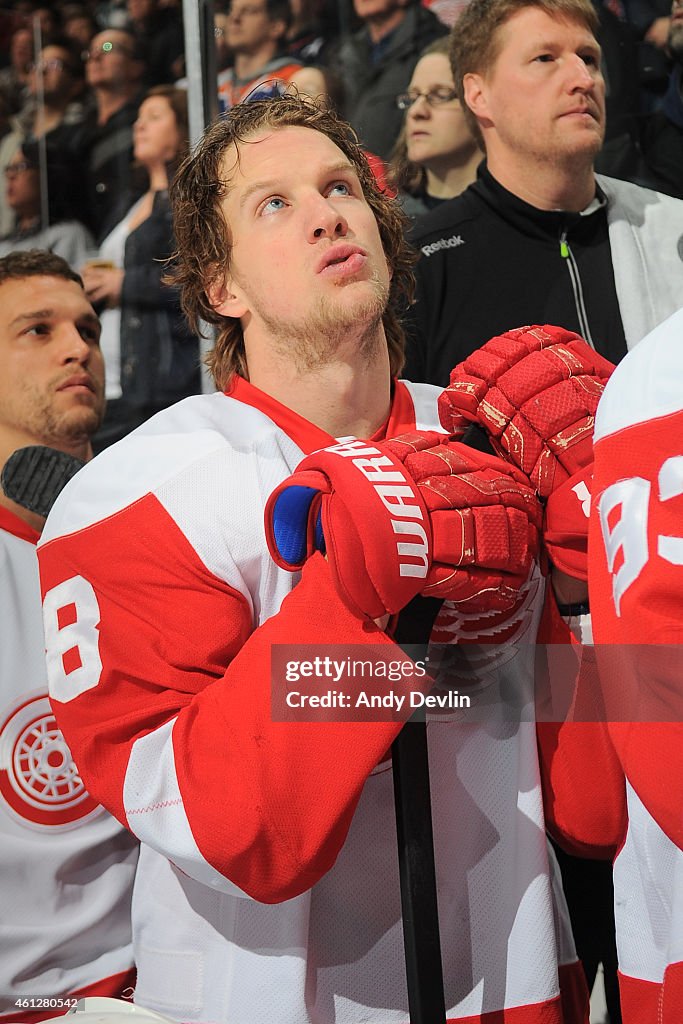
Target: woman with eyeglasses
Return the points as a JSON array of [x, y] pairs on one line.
[[151, 358], [436, 155]]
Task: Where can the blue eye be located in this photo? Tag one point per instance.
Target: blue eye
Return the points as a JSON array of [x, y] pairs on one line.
[[272, 207], [341, 185]]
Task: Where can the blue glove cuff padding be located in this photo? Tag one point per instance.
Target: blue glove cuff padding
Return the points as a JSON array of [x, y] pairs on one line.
[[290, 523]]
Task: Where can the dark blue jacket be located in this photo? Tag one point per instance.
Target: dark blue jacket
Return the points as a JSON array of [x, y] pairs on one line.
[[159, 354]]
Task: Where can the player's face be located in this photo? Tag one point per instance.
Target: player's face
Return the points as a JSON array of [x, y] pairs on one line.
[[51, 366], [307, 265], [545, 95]]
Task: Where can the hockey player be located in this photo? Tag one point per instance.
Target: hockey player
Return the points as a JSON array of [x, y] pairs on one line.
[[636, 559], [66, 866], [624, 724], [268, 881]]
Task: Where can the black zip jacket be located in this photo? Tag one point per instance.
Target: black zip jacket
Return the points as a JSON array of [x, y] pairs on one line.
[[490, 262]]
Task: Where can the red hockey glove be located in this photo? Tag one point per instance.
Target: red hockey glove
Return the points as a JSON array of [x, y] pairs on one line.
[[419, 514], [535, 390]]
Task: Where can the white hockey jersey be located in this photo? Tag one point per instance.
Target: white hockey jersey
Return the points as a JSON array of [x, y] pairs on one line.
[[636, 584], [66, 866], [268, 883]]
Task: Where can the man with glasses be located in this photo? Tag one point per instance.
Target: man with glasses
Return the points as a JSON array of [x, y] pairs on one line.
[[255, 32], [114, 71], [55, 107]]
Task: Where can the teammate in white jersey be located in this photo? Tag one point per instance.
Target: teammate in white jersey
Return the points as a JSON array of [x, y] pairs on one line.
[[66, 866], [268, 884], [636, 588]]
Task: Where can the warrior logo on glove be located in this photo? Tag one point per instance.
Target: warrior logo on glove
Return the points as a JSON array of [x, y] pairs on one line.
[[421, 514]]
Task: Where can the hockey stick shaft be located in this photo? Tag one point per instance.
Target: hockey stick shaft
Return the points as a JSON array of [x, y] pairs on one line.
[[417, 872], [414, 830]]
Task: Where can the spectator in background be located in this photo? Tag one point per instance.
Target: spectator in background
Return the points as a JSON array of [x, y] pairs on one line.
[[159, 35], [80, 26], [152, 359], [376, 63], [651, 19], [651, 151], [220, 32], [256, 32], [437, 155], [14, 79], [10, 140], [48, 21], [220, 35], [619, 64], [307, 36], [114, 71], [55, 107], [63, 233], [111, 14]]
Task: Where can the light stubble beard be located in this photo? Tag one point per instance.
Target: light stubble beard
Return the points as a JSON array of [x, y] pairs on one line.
[[72, 427], [314, 343]]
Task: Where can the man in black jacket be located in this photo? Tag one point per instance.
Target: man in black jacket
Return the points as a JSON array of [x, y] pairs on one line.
[[538, 238], [114, 71]]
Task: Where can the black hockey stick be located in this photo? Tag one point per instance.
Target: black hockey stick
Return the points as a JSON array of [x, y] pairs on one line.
[[412, 796], [33, 477], [417, 869]]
